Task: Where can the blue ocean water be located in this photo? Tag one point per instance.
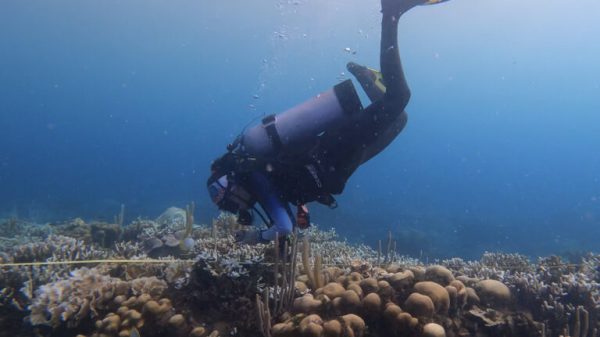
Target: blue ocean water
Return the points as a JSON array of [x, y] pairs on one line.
[[111, 102]]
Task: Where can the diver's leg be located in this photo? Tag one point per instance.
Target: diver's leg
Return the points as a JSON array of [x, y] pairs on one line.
[[371, 131], [391, 66], [384, 138], [391, 117], [397, 92]]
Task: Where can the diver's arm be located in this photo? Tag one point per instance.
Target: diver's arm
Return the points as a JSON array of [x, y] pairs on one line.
[[277, 209]]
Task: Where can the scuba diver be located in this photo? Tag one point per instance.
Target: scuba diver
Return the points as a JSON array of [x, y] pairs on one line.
[[308, 152]]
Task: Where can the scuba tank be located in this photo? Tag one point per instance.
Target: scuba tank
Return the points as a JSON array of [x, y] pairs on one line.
[[297, 130]]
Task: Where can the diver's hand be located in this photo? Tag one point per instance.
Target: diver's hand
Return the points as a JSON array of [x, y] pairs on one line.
[[249, 237], [302, 217]]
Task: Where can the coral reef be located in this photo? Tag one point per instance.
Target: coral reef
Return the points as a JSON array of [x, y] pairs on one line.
[[205, 284], [552, 292], [399, 301]]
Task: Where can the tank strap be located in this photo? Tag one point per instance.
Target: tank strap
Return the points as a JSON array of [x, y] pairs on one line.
[[269, 125], [347, 96]]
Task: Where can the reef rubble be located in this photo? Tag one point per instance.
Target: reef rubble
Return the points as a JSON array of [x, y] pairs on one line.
[[171, 277]]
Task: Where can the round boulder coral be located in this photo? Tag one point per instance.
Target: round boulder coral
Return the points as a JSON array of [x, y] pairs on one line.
[[198, 331], [369, 285], [418, 272], [419, 305], [177, 320], [283, 329], [472, 297], [356, 288], [311, 326], [348, 302], [353, 277], [439, 274], [306, 304], [355, 326], [453, 294], [391, 311], [350, 298], [493, 293], [332, 328], [372, 303], [386, 292], [437, 293], [301, 287], [402, 280], [433, 330], [467, 281], [333, 290], [405, 322], [457, 284]]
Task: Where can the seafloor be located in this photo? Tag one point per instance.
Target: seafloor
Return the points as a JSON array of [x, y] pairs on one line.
[[168, 277]]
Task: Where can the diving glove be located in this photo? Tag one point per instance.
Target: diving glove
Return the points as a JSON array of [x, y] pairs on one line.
[[249, 237], [302, 217]]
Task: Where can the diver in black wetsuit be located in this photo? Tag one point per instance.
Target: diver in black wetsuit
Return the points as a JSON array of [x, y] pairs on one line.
[[308, 153]]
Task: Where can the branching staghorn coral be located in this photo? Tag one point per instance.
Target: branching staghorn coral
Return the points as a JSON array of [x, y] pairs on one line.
[[315, 234], [508, 262]]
